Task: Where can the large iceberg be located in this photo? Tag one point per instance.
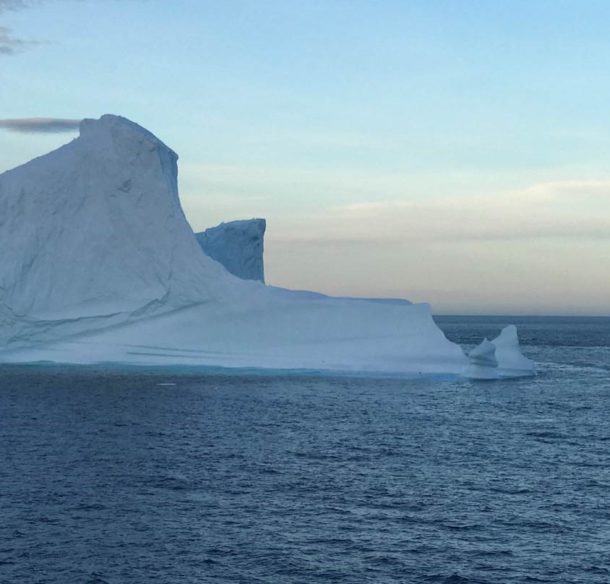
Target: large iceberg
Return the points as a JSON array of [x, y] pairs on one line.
[[100, 265], [238, 246]]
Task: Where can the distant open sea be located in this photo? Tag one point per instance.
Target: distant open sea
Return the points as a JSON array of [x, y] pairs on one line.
[[141, 476]]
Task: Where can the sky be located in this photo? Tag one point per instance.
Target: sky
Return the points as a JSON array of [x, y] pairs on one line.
[[455, 152]]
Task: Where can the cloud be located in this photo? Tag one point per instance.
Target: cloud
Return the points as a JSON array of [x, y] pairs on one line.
[[566, 210], [39, 125], [372, 208], [239, 180], [9, 44], [11, 5], [536, 249], [571, 189]]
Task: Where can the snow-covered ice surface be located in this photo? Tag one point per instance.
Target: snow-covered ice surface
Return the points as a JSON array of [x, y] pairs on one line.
[[238, 246], [101, 265]]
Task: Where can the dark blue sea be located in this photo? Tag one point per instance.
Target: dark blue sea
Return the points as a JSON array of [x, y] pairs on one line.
[[111, 476]]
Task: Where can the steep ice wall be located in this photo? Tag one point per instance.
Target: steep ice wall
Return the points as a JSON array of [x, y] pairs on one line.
[[238, 246]]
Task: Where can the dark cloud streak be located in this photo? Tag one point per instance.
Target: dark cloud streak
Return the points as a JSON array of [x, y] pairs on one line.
[[39, 125], [11, 5], [10, 45]]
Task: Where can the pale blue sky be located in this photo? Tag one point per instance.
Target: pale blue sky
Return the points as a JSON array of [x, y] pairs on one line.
[[455, 152]]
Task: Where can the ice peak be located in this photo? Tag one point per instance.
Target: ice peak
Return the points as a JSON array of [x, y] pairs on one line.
[[117, 129]]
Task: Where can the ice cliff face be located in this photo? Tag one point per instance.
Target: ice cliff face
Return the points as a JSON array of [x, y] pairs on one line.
[[238, 246], [99, 264]]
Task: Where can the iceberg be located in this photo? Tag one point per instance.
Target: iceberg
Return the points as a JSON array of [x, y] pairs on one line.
[[100, 265], [238, 246], [511, 362], [500, 358]]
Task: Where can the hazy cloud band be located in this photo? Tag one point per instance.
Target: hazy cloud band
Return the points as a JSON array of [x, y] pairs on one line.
[[39, 125]]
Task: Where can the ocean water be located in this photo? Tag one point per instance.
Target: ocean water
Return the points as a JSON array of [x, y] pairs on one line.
[[124, 477]]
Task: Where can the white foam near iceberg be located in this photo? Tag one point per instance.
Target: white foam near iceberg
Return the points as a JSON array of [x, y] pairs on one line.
[[100, 265]]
